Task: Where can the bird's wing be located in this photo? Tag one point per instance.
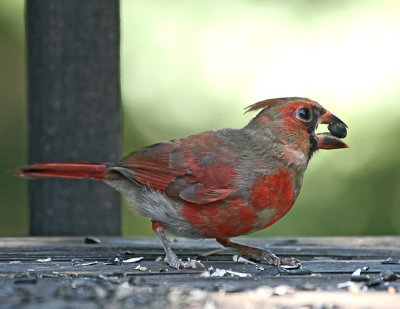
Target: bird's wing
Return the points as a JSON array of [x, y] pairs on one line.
[[199, 169]]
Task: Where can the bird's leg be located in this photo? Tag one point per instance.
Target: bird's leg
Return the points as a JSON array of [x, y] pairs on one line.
[[260, 255], [170, 257]]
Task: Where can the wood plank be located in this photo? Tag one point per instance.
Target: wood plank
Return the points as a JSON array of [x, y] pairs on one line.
[[62, 282], [258, 299]]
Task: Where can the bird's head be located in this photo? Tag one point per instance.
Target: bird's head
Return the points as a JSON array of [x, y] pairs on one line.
[[295, 120]]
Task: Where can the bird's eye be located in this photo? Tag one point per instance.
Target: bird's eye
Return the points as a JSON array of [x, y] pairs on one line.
[[304, 113]]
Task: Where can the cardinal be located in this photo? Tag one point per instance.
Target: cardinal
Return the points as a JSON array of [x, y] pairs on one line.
[[218, 183]]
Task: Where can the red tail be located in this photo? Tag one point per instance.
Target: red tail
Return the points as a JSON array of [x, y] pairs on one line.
[[64, 170]]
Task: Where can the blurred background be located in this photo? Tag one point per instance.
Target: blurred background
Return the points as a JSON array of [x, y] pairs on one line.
[[190, 66]]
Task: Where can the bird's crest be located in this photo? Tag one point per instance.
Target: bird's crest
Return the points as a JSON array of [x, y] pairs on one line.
[[267, 103]]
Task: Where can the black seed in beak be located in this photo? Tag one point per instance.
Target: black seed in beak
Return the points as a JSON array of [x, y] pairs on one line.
[[337, 130]]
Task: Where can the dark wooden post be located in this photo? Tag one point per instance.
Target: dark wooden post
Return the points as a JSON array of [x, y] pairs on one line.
[[74, 111]]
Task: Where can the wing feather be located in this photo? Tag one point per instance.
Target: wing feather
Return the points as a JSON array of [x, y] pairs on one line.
[[184, 169]]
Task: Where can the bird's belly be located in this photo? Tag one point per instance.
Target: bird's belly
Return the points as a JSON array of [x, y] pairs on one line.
[[158, 207], [229, 218], [270, 197], [222, 219]]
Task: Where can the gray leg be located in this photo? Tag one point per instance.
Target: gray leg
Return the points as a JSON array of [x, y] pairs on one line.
[[171, 258], [260, 255]]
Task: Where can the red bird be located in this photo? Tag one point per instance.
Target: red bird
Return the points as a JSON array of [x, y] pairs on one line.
[[219, 183]]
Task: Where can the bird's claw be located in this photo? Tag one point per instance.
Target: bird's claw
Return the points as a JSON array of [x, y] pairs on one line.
[[289, 263], [268, 257], [191, 264], [172, 260]]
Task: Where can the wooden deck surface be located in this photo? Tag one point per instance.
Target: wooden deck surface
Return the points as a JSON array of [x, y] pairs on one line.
[[66, 272]]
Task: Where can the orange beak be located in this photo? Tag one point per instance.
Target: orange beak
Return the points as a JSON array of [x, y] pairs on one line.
[[337, 128], [328, 118]]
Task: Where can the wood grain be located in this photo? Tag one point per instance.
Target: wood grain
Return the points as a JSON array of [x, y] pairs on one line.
[[67, 281]]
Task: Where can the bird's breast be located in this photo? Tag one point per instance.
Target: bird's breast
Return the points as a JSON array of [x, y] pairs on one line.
[[272, 196], [222, 219]]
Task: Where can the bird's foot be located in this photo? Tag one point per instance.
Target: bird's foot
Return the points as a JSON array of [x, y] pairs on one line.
[[170, 257], [172, 260], [261, 255]]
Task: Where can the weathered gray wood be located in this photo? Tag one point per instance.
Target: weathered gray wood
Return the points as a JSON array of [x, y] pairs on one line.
[[74, 111], [60, 282]]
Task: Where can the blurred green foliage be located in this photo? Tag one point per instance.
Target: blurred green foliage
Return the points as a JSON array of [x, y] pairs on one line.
[[13, 140], [190, 66]]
